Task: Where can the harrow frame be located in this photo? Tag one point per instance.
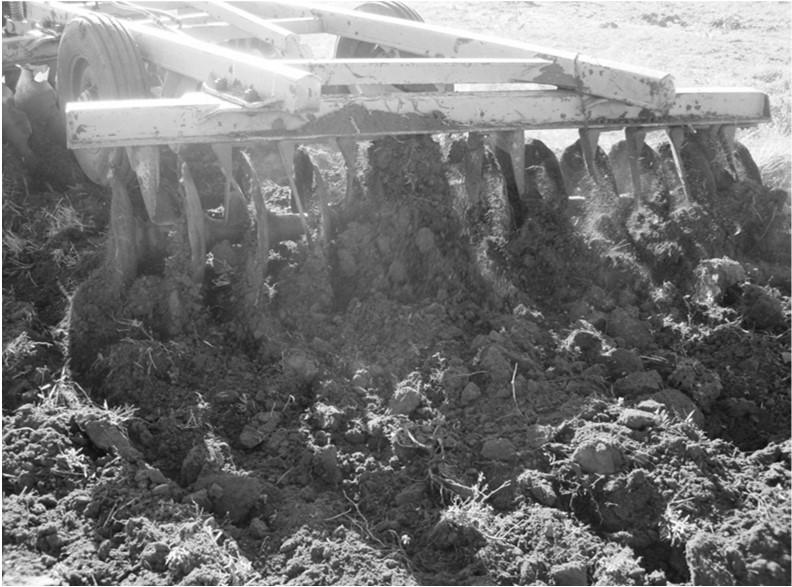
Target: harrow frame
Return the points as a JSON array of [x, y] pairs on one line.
[[238, 73]]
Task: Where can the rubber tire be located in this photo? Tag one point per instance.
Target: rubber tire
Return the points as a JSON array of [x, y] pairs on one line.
[[353, 49], [100, 44]]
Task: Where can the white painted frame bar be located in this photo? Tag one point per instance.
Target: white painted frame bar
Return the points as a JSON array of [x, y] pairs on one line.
[[301, 26], [192, 58], [274, 34], [29, 48], [298, 89], [356, 72], [635, 85], [199, 117], [212, 32]]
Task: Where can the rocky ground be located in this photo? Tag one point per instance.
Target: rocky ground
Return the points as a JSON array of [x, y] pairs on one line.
[[427, 392]]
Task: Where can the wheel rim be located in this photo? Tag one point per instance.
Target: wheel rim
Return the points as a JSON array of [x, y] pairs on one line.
[[88, 89], [98, 60]]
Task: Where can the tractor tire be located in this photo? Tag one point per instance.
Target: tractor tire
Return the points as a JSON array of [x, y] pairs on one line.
[[98, 60], [347, 48]]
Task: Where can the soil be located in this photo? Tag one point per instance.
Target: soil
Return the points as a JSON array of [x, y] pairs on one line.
[[445, 385]]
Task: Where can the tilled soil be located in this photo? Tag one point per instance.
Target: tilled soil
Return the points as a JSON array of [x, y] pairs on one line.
[[430, 397], [431, 391]]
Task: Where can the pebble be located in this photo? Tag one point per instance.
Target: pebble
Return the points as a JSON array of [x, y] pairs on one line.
[[327, 417], [637, 419], [405, 400], [706, 559], [199, 498], [702, 384], [424, 240], [454, 378], [326, 464], [215, 491], [470, 394], [493, 359], [161, 490], [412, 494], [106, 436], [154, 555], [268, 422], [103, 552], [621, 362], [498, 449], [251, 436], [638, 383], [538, 434], [346, 263], [571, 573], [537, 486], [714, 277], [233, 494], [362, 378], [147, 473], [258, 528], [384, 246], [579, 309], [589, 343], [397, 272], [48, 501], [224, 253], [530, 570], [761, 309], [634, 332], [300, 364], [650, 405], [598, 456], [679, 405]]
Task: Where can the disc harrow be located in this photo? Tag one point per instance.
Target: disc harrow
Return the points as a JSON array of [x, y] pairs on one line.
[[136, 80]]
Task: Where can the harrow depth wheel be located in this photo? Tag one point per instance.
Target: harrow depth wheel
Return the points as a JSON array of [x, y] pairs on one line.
[[347, 48], [98, 60]]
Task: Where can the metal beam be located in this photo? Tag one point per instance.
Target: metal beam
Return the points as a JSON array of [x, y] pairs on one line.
[[298, 89], [198, 117], [569, 70], [356, 72], [213, 32], [276, 35], [34, 48], [300, 26]]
